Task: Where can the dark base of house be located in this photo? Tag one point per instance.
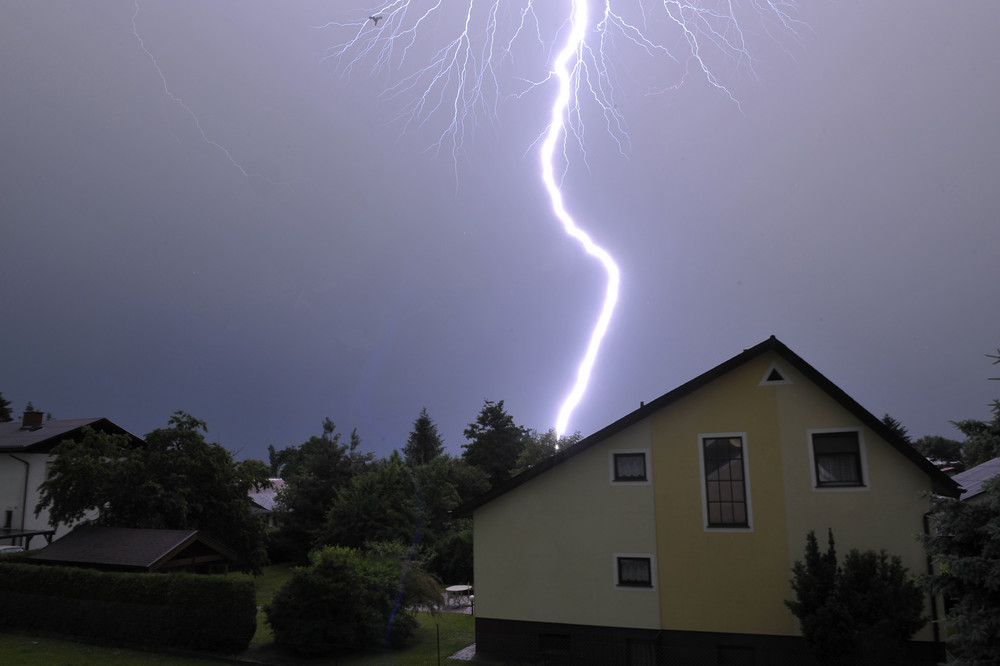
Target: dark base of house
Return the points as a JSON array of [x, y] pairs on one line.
[[565, 644]]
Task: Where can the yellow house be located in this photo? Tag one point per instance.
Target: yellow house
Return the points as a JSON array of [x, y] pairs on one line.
[[669, 535]]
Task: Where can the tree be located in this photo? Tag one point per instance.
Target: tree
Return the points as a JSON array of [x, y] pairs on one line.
[[982, 438], [176, 481], [374, 506], [494, 443], [897, 428], [945, 452], [393, 503], [348, 598], [424, 443], [860, 613], [965, 547], [6, 414], [541, 446], [313, 473]]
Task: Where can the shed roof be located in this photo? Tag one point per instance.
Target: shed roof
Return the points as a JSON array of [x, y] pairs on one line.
[[134, 549], [941, 482]]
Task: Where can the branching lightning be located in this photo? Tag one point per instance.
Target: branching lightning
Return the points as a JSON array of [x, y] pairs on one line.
[[462, 82], [187, 109]]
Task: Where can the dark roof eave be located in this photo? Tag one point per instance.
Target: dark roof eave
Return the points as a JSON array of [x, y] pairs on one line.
[[941, 482]]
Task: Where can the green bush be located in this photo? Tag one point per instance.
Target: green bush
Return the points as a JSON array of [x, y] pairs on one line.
[[348, 598], [178, 610]]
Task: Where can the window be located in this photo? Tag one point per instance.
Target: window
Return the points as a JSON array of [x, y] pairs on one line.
[[837, 459], [633, 571], [629, 466], [726, 501]]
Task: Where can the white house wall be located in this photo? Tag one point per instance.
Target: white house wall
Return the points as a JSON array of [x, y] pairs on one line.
[[546, 552]]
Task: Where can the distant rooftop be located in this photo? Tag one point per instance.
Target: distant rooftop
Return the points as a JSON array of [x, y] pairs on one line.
[[972, 480], [33, 435]]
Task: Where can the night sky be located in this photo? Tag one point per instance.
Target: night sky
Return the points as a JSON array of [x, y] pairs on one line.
[[260, 240]]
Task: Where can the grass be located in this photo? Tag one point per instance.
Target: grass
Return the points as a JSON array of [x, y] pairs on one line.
[[455, 631], [26, 650]]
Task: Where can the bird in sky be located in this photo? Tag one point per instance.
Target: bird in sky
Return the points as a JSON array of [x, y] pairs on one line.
[[376, 19]]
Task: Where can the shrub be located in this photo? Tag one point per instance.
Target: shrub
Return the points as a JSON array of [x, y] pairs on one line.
[[348, 598], [178, 610], [860, 613]]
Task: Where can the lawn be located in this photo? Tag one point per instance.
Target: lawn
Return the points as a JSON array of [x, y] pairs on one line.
[[451, 631]]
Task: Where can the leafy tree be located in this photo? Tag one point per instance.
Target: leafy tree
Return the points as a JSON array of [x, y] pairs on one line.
[[176, 481], [495, 442], [6, 414], [348, 598], [982, 438], [374, 506], [313, 473], [860, 613], [424, 443], [944, 451], [469, 482], [965, 546], [541, 446], [393, 502]]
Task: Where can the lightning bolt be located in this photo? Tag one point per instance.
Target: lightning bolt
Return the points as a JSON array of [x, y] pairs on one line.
[[187, 109], [570, 53], [463, 81]]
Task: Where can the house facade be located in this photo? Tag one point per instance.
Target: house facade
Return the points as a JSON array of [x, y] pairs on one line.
[[25, 452], [669, 536]]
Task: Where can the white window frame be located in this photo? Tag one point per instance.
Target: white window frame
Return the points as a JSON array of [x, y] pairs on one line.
[[862, 454], [704, 489], [652, 571], [611, 467]]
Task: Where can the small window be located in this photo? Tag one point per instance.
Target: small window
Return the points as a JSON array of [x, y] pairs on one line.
[[634, 571], [630, 466], [837, 459], [726, 504]]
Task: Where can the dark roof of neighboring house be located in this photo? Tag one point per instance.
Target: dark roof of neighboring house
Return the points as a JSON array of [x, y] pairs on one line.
[[942, 483], [134, 549], [42, 438], [972, 480]]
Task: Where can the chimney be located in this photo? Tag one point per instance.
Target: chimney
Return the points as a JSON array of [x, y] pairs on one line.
[[31, 421]]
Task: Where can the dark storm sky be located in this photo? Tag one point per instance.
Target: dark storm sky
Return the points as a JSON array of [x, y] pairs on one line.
[[849, 207]]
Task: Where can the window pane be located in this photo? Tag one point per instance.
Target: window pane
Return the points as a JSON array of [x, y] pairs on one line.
[[725, 488], [630, 466], [634, 572], [838, 458]]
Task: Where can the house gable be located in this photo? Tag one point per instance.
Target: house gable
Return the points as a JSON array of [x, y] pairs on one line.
[[797, 455]]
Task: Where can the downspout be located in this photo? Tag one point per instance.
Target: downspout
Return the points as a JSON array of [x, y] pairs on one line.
[[24, 497], [930, 572]]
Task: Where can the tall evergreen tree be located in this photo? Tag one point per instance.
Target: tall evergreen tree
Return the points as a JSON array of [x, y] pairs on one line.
[[897, 427], [5, 410], [495, 442], [982, 438], [424, 443]]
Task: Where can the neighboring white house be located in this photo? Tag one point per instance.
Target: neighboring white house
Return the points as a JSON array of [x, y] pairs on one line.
[[25, 451]]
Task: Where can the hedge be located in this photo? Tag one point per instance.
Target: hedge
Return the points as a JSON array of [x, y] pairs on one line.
[[187, 611]]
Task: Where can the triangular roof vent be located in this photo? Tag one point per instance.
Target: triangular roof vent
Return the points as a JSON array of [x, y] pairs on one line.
[[774, 375]]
